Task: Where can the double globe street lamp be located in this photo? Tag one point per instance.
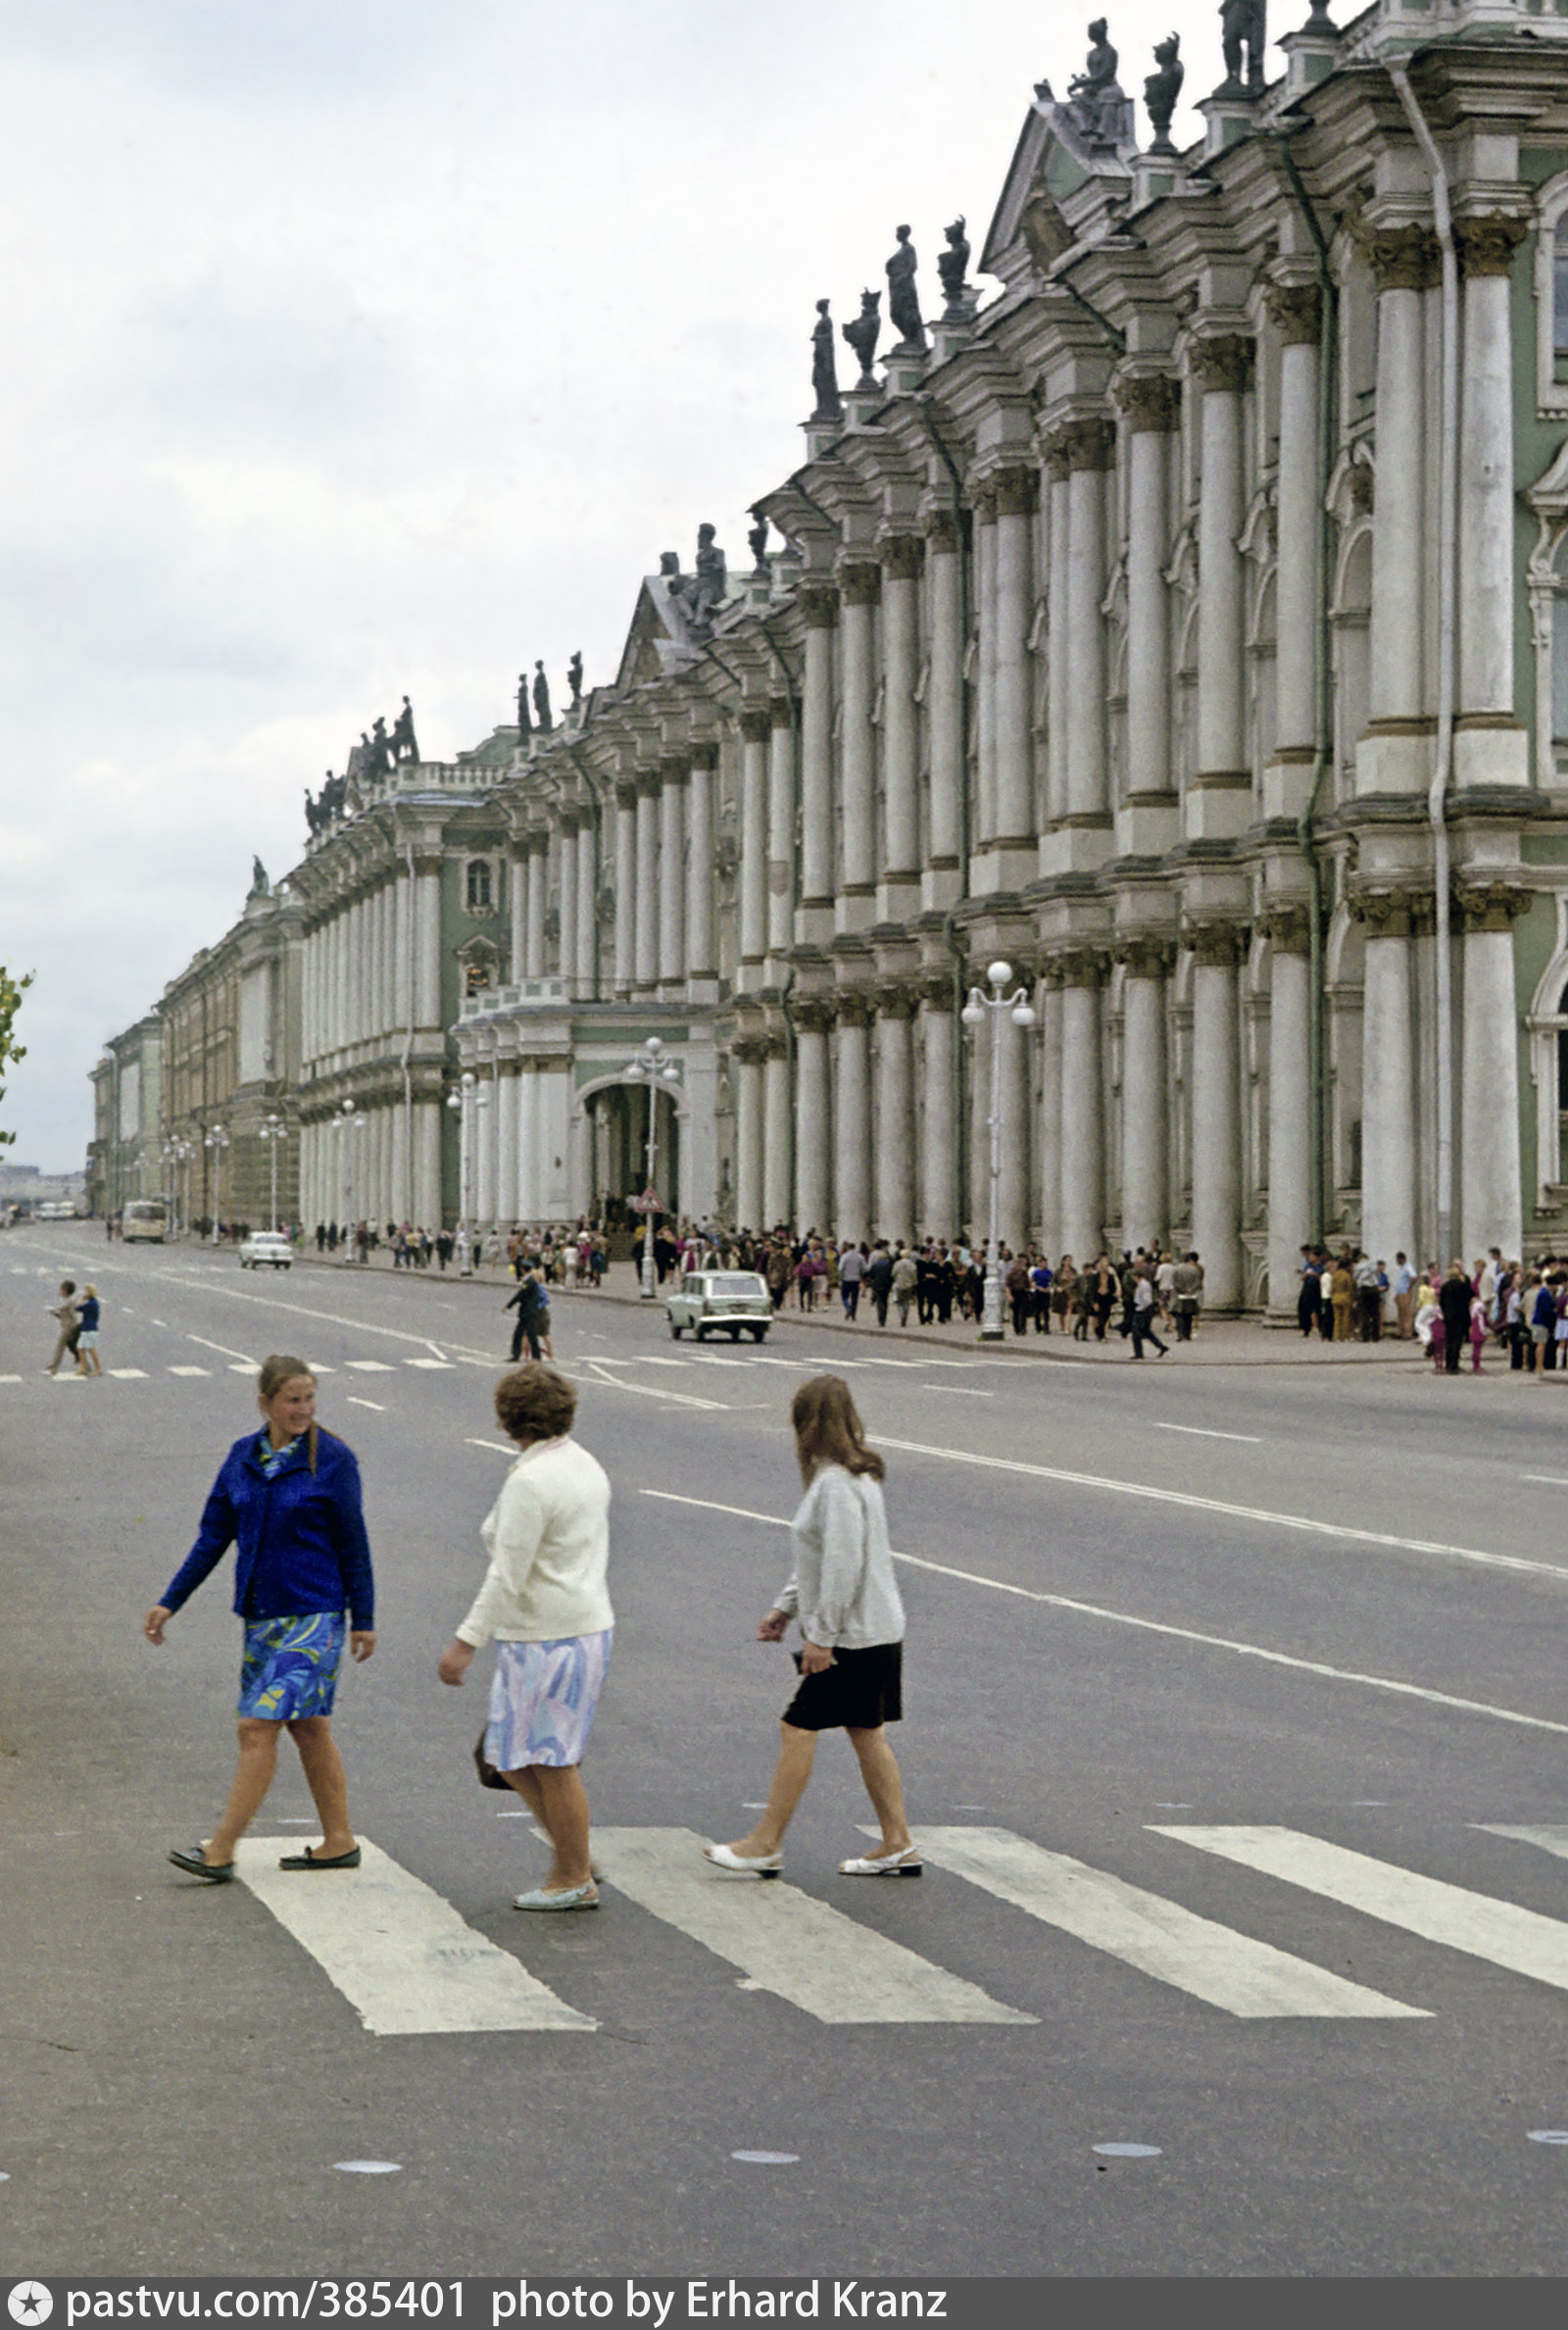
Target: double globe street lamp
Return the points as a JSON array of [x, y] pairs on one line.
[[177, 1154], [349, 1124], [217, 1140], [974, 1013], [654, 1073], [471, 1095], [271, 1130]]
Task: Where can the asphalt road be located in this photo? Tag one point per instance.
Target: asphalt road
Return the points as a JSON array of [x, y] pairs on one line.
[[1328, 1603]]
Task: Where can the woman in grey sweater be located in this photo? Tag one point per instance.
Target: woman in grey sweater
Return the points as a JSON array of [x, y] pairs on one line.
[[844, 1592]]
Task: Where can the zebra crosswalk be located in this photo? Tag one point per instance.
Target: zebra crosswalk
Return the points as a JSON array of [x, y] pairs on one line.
[[410, 1963]]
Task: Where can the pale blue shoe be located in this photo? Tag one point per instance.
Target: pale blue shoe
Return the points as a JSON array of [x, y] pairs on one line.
[[577, 1896]]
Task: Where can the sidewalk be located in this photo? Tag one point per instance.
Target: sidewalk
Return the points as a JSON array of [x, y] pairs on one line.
[[1218, 1343]]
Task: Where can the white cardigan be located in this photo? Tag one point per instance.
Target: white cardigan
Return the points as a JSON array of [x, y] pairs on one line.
[[548, 1539]]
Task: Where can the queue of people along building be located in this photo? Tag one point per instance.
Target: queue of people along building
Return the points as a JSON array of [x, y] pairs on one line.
[[1182, 620]]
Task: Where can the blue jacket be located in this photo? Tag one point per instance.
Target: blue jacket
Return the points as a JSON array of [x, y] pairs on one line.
[[301, 1535]]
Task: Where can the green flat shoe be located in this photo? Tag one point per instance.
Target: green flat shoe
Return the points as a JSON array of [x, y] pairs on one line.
[[195, 1863], [311, 1860]]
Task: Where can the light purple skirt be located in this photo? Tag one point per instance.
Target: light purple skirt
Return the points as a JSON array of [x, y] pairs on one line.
[[542, 1700]]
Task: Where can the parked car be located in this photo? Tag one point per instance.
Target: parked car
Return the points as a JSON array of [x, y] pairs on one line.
[[266, 1246], [728, 1300]]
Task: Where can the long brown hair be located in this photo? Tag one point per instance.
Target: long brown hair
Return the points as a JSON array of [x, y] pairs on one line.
[[828, 1430], [279, 1368]]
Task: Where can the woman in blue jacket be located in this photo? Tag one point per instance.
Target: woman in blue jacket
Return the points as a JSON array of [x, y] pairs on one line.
[[288, 1497]]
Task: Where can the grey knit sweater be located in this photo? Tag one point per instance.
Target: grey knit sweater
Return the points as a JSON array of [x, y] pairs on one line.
[[842, 1588]]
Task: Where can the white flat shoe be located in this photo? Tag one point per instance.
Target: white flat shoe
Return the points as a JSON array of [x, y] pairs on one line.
[[763, 1864], [578, 1897], [907, 1863]]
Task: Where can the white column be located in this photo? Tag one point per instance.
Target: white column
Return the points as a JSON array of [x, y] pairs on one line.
[[899, 865], [1151, 413], [985, 678], [1145, 1199], [893, 1210], [1487, 513], [702, 952], [777, 1195], [780, 847], [1289, 1116], [1091, 449], [1049, 1006], [673, 878], [943, 703], [1058, 659], [427, 1192], [587, 961], [851, 1121], [861, 586], [1388, 1081], [530, 1200], [427, 945], [939, 1148], [538, 902], [625, 886], [746, 1072], [402, 980], [1082, 1115], [566, 855], [518, 901], [385, 964], [1406, 263], [1013, 1179], [647, 882], [1216, 1115], [1016, 495], [1222, 365], [814, 1121], [1490, 1202], [819, 603], [751, 884], [1297, 311], [402, 1200], [505, 1115], [486, 1146]]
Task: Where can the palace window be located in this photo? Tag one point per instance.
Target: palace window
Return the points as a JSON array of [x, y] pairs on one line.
[[1551, 298], [478, 886]]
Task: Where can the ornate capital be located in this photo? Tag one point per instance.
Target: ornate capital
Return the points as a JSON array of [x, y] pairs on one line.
[[1223, 362], [1487, 245], [757, 723], [1091, 444], [983, 501], [1386, 912], [1296, 310], [944, 531], [896, 999], [705, 755], [1146, 958], [903, 557], [750, 1050], [1491, 906], [861, 583], [1150, 401], [819, 605], [935, 990], [815, 1013], [1404, 258], [1286, 928], [625, 792], [648, 781], [1216, 945], [779, 711], [1078, 966], [1054, 457], [853, 1007], [1016, 491], [674, 768]]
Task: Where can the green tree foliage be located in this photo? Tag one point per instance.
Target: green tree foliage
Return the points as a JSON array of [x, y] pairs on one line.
[[10, 992]]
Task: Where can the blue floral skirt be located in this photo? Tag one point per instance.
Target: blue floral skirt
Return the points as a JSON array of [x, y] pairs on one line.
[[542, 1700], [289, 1669]]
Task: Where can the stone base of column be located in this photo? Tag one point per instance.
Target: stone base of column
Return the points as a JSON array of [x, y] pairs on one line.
[[1003, 865], [1486, 755]]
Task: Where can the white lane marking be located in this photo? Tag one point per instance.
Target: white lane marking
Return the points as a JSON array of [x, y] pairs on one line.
[[353, 1403], [1500, 1932], [128, 1374], [371, 1367], [10, 1378], [1121, 1617], [649, 1391], [447, 1364], [1230, 1970], [1551, 1839], [316, 1368], [499, 1446], [235, 1367], [786, 1941], [1548, 1480], [397, 1952], [223, 1349], [1200, 1432], [1238, 1512], [960, 1391], [190, 1370]]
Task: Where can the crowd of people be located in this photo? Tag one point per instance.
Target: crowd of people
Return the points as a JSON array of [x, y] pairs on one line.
[[1521, 1308]]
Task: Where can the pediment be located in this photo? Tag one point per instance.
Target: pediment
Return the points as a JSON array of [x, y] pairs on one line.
[[1049, 164], [650, 637]]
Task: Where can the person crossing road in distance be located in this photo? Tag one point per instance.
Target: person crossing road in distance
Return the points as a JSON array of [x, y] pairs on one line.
[[850, 1659], [69, 1319], [288, 1498], [545, 1603], [533, 1306], [88, 1310]]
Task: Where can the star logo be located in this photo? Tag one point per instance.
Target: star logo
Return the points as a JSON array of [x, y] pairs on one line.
[[30, 2302]]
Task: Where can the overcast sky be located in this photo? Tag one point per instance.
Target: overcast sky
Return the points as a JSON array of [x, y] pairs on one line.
[[356, 346]]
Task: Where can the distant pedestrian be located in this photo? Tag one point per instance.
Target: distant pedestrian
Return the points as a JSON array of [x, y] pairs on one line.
[[1187, 1286], [905, 1279], [850, 1659], [288, 1498], [69, 1319], [545, 1603], [1143, 1317], [852, 1269], [88, 1312], [879, 1279], [1453, 1301], [533, 1306]]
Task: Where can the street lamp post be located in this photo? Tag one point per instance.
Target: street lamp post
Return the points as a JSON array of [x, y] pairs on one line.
[[652, 1070], [462, 1102], [273, 1129], [217, 1140], [347, 1122], [974, 1014], [177, 1154]]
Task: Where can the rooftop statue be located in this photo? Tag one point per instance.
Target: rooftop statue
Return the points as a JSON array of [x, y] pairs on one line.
[[702, 593], [1096, 101], [756, 538], [380, 763], [863, 333], [1243, 24], [669, 563], [904, 301], [829, 405], [524, 717], [541, 699], [952, 265], [574, 679], [1162, 88], [259, 887], [403, 746], [312, 814]]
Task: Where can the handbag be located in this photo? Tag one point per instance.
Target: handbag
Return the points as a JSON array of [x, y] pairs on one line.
[[489, 1778]]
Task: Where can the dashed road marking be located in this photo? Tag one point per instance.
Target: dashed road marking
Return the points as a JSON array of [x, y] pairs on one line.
[[190, 1370], [1201, 1432], [371, 1367]]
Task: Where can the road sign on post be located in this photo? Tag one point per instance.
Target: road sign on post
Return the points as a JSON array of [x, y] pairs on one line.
[[649, 1203]]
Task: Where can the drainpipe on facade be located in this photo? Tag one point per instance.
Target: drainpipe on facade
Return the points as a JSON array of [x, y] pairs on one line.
[[1323, 677], [407, 1040], [1447, 625], [949, 933], [792, 693]]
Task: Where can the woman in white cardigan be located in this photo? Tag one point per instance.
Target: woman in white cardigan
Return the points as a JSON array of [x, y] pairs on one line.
[[545, 1603], [850, 1659]]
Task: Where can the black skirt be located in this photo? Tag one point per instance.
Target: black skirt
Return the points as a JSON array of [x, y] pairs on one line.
[[860, 1691]]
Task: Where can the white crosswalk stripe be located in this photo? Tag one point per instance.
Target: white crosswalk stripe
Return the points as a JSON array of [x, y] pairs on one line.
[[784, 1941], [1500, 1932], [397, 1952], [1551, 1839], [190, 1370], [1230, 1970], [371, 1366]]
